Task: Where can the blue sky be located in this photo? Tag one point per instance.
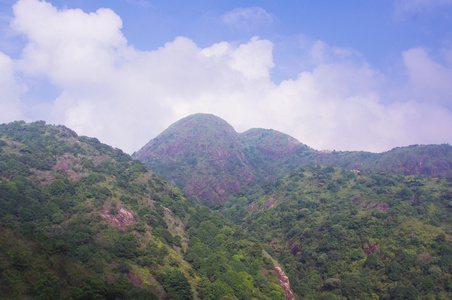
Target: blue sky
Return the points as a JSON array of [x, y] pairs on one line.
[[349, 75]]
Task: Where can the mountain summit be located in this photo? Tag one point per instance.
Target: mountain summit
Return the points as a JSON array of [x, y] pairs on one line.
[[201, 153], [207, 158]]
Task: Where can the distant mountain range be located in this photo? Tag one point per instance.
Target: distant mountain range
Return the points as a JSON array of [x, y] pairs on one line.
[[203, 155]]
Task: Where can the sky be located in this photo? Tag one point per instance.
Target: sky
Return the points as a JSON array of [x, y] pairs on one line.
[[336, 75]]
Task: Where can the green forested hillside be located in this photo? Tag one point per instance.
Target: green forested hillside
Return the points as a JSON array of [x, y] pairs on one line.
[[344, 234], [82, 220]]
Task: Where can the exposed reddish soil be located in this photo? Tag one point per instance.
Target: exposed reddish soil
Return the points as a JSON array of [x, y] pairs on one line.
[[134, 278], [370, 249], [284, 283], [269, 203], [273, 244], [110, 279], [357, 199], [122, 219], [293, 248], [66, 163], [379, 206]]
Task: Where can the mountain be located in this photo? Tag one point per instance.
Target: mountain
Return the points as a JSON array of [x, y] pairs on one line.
[[82, 220], [426, 160], [207, 158], [345, 234], [204, 156], [268, 152]]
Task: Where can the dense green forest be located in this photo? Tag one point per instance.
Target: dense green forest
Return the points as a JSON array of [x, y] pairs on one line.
[[344, 234], [82, 220]]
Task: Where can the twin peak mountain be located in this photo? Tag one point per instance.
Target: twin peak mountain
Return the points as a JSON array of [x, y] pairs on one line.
[[204, 156]]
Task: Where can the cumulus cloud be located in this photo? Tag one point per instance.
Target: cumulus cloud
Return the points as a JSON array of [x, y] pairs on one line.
[[125, 96], [70, 47]]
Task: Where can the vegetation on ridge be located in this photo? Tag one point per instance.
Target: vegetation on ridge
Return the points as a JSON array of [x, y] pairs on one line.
[[204, 156]]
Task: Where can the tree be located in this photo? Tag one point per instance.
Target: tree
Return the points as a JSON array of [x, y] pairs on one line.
[[332, 283], [176, 285]]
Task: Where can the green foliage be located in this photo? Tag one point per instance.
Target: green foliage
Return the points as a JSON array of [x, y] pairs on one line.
[[164, 235], [176, 285], [54, 203], [125, 246], [81, 220], [354, 236]]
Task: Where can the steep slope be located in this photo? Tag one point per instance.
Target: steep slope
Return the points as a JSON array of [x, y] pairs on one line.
[[355, 235], [82, 220]]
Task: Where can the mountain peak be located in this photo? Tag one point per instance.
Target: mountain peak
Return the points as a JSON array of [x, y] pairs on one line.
[[207, 158], [201, 153]]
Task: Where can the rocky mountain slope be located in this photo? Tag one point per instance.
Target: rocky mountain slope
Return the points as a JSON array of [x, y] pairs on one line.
[[207, 158], [82, 220], [204, 156]]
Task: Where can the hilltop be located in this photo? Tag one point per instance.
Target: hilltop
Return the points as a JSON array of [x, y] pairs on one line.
[[204, 156]]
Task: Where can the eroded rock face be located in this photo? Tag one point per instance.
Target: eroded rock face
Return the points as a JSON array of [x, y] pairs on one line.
[[121, 218], [284, 283]]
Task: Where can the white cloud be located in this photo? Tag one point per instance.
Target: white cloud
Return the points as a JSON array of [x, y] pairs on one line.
[[10, 105], [429, 80], [249, 17], [125, 96], [69, 46]]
